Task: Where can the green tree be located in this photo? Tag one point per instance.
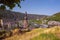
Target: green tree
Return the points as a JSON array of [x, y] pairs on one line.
[[9, 3]]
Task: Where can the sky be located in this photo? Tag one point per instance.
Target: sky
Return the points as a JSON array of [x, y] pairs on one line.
[[40, 7]]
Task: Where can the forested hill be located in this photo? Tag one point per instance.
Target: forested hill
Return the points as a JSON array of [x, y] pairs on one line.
[[7, 14], [55, 17]]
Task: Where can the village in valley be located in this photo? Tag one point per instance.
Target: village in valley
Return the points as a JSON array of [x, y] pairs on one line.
[[16, 26], [9, 24], [31, 22]]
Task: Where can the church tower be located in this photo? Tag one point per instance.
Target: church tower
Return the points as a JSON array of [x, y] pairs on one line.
[[25, 21]]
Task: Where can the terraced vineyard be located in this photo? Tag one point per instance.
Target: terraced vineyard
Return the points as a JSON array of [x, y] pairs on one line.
[[39, 34]]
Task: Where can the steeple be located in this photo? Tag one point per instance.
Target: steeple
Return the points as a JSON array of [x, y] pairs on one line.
[[25, 17], [25, 21]]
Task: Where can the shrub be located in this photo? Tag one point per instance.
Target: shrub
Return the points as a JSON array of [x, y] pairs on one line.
[[45, 36], [2, 34]]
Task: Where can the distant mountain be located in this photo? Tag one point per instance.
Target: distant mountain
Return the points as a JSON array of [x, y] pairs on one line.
[[11, 15]]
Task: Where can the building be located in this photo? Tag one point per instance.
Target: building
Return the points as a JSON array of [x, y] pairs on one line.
[[25, 21]]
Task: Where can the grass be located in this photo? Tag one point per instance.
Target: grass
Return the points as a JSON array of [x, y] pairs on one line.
[[45, 36], [25, 35], [39, 34], [52, 34]]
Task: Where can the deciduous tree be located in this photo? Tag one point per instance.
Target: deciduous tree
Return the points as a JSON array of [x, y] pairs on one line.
[[9, 3]]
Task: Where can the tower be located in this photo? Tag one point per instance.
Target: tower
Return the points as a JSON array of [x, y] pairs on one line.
[[25, 21]]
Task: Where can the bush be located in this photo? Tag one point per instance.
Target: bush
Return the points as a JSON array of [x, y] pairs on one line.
[[45, 36], [4, 34]]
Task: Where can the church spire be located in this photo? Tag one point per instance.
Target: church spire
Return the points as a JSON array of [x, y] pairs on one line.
[[25, 22], [25, 17]]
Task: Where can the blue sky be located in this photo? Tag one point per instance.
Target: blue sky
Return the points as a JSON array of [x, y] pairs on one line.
[[40, 7]]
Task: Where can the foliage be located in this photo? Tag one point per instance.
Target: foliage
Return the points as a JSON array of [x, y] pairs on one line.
[[45, 36], [36, 21], [25, 35], [9, 3], [4, 34], [38, 34], [55, 17]]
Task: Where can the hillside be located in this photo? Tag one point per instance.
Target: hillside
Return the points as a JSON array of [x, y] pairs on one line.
[[17, 15], [55, 17]]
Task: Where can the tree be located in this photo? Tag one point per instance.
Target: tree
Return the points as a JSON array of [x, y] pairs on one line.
[[9, 3]]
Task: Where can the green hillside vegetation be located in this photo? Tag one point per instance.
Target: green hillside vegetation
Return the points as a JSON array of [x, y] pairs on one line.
[[55, 17], [36, 21], [52, 34], [45, 36]]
